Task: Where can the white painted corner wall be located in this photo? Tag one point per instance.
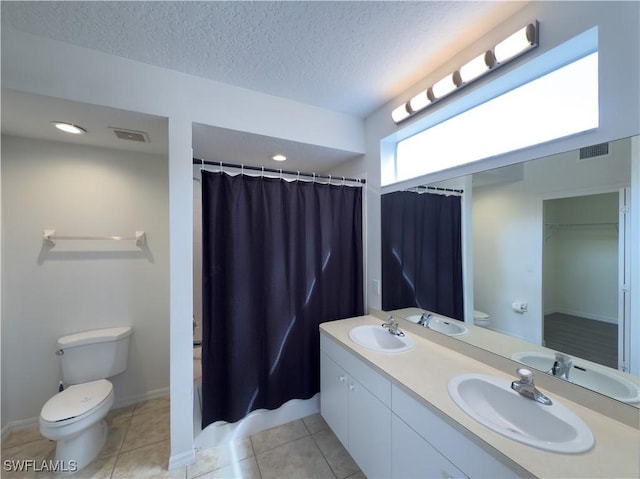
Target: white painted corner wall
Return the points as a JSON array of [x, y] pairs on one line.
[[46, 67], [619, 47], [508, 238], [49, 292]]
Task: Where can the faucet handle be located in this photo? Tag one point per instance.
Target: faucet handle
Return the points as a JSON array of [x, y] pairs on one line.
[[525, 375], [563, 358]]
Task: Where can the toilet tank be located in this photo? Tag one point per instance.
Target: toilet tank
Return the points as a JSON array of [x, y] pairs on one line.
[[93, 355]]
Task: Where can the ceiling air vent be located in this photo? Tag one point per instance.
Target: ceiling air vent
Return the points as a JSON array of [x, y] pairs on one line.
[[587, 152], [131, 135]]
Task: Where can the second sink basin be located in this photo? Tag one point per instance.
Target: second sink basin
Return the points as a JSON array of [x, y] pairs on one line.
[[491, 401], [450, 328], [585, 375], [377, 338], [444, 326]]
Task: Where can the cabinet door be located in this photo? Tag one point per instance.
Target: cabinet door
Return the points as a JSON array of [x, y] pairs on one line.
[[334, 398], [414, 458], [369, 432]]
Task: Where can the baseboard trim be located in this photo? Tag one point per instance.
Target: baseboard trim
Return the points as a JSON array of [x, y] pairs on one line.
[[138, 398], [182, 459], [121, 402], [18, 425]]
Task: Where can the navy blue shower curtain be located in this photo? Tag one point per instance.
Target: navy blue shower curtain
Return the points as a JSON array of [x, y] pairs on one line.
[[422, 252], [279, 258]]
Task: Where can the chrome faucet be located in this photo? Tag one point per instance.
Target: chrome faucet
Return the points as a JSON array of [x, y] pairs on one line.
[[393, 327], [525, 387], [425, 319], [561, 366]]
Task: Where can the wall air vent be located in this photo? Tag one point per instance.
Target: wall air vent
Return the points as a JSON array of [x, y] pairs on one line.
[[131, 135], [593, 151]]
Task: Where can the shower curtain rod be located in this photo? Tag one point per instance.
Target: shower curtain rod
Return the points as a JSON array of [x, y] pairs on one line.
[[222, 164], [438, 188]]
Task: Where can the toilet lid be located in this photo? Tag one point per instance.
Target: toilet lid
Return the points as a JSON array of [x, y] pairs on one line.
[[76, 400]]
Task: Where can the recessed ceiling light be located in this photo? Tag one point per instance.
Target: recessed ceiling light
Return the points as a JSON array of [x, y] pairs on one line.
[[68, 127], [279, 157]]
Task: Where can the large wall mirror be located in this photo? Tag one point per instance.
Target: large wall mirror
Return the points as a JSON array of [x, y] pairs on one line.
[[545, 247]]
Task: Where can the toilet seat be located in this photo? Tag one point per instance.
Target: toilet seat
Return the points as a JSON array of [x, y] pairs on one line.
[[75, 403]]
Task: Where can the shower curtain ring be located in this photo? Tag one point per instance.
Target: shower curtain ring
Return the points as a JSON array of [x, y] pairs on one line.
[[298, 175], [221, 167], [242, 169], [263, 172], [343, 181], [280, 173], [314, 177]]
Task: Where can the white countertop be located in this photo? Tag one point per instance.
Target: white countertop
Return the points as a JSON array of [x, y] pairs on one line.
[[426, 370]]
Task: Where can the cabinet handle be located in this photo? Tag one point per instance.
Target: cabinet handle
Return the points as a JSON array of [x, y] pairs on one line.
[[352, 387], [342, 378]]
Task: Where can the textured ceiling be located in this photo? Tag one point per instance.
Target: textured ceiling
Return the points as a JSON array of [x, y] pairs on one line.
[[345, 56]]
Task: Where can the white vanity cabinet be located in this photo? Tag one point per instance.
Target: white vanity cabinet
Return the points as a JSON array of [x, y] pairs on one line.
[[414, 458], [468, 457], [355, 402], [391, 434]]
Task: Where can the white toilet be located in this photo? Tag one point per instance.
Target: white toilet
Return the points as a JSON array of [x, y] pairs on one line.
[[75, 417], [481, 319]]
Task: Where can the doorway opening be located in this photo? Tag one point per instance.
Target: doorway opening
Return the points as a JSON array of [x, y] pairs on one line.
[[582, 258]]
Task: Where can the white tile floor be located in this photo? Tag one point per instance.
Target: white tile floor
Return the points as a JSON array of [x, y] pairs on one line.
[[138, 447]]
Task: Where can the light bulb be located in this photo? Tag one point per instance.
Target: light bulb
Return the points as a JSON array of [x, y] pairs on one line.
[[515, 44], [400, 113], [444, 87], [68, 127], [420, 101], [473, 69]]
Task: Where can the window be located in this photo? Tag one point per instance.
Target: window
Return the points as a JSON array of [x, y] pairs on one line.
[[558, 104]]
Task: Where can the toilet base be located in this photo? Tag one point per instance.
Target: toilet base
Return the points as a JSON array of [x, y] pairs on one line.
[[77, 452], [483, 323]]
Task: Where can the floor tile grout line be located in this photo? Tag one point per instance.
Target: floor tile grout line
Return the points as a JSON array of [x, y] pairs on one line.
[[287, 442], [115, 463], [323, 456], [255, 456]]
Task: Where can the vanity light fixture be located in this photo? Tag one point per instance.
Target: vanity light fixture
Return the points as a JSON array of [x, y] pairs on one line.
[[513, 46], [69, 127], [279, 157], [442, 88]]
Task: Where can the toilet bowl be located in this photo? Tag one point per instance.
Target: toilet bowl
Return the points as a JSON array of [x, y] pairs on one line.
[[75, 419], [481, 319], [75, 416]]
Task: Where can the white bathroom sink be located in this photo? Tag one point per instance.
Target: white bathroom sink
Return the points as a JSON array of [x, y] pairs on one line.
[[379, 339], [450, 328], [586, 375], [444, 326], [491, 401]]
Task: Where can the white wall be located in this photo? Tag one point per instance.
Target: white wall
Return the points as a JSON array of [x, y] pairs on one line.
[[56, 69], [584, 267], [47, 67], [619, 47], [508, 233], [81, 285]]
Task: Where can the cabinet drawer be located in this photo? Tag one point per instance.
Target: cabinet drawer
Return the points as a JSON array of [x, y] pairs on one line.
[[467, 455], [370, 378]]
